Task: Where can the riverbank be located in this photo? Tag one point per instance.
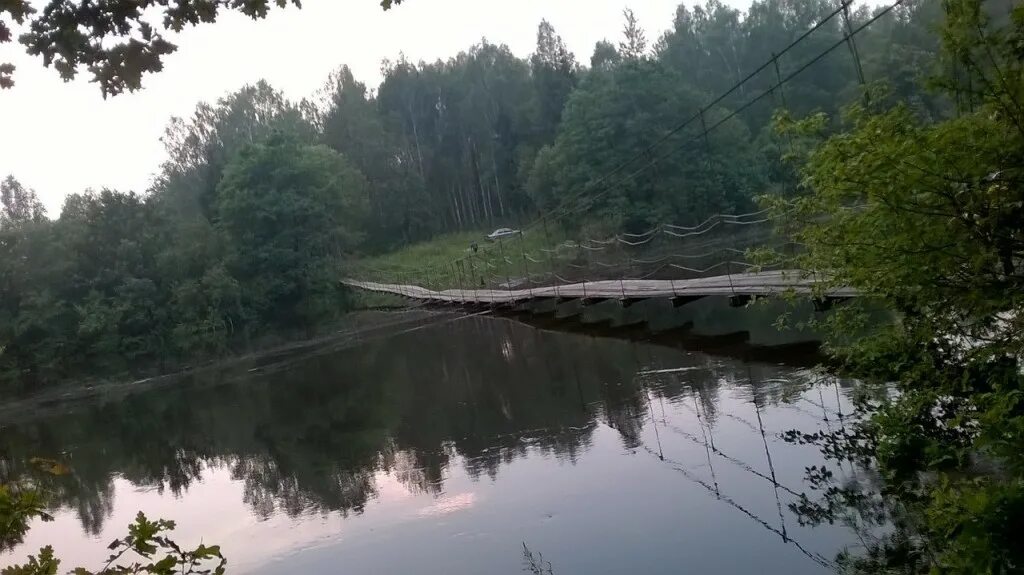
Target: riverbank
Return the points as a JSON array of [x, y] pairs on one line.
[[355, 327]]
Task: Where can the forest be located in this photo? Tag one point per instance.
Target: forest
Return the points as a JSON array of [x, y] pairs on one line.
[[895, 159], [263, 202]]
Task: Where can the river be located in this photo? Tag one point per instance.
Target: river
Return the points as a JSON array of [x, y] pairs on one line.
[[446, 449]]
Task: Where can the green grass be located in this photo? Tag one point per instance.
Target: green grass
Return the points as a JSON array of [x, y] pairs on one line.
[[435, 263]]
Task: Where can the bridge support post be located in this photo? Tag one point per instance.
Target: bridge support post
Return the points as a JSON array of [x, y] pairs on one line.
[[822, 304], [740, 300], [680, 301], [472, 278], [504, 262], [462, 281]]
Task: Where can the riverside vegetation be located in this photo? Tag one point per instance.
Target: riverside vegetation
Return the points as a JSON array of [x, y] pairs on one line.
[[912, 195]]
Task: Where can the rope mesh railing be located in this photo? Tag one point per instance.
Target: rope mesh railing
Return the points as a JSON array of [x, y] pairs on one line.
[[657, 256]]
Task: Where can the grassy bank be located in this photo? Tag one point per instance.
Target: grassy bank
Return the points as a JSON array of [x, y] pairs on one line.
[[444, 261]]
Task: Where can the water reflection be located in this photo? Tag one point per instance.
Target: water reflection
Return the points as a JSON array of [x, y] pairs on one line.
[[674, 455]]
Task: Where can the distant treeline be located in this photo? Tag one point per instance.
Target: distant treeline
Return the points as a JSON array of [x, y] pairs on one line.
[[262, 199]]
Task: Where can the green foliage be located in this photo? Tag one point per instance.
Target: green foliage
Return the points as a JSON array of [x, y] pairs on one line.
[[20, 504], [43, 564], [925, 217], [158, 555], [116, 42], [27, 499], [614, 116], [292, 211], [21, 206], [208, 309], [242, 233], [489, 260], [555, 75], [469, 128]]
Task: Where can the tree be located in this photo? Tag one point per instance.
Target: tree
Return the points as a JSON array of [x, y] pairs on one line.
[[352, 125], [146, 541], [111, 282], [468, 128], [20, 204], [611, 119], [605, 56], [199, 148], [926, 218], [290, 210], [634, 44], [555, 74], [116, 42]]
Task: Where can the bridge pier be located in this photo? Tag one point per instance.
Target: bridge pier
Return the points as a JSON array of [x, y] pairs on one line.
[[822, 304], [680, 300], [740, 300], [573, 307]]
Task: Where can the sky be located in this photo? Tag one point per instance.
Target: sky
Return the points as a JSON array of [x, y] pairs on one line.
[[61, 138]]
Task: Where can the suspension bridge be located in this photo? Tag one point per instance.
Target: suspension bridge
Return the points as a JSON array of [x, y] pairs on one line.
[[661, 263], [740, 288]]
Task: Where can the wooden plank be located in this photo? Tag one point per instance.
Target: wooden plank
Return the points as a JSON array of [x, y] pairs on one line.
[[747, 284]]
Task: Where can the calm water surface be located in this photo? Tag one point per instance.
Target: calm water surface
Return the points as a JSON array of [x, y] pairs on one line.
[[444, 450]]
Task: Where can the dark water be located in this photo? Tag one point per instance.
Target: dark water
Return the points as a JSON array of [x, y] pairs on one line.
[[444, 450]]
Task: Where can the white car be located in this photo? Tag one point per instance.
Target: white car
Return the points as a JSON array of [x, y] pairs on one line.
[[501, 233]]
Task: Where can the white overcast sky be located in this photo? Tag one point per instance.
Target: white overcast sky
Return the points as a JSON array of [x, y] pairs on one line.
[[61, 138]]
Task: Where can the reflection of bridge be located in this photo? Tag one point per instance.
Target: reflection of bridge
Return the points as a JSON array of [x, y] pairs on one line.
[[740, 288]]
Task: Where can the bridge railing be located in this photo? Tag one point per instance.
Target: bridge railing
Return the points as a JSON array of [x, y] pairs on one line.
[[723, 245]]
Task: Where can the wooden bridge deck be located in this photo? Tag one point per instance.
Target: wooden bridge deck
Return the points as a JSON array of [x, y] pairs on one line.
[[747, 284]]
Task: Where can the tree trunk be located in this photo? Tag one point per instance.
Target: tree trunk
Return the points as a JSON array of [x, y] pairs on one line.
[[497, 184], [416, 139], [481, 188]]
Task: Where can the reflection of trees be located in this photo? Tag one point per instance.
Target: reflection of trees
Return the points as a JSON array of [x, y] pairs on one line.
[[313, 434]]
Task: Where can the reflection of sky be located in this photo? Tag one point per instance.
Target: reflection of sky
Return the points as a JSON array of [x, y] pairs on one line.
[[615, 510], [212, 511]]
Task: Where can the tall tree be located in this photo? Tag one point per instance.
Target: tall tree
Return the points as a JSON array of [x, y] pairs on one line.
[[555, 75], [352, 124], [467, 125], [291, 210], [634, 43], [20, 204], [199, 148], [605, 56], [611, 119]]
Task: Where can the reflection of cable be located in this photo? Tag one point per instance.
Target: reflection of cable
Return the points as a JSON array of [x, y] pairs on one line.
[[816, 557], [677, 466], [730, 459], [745, 422]]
